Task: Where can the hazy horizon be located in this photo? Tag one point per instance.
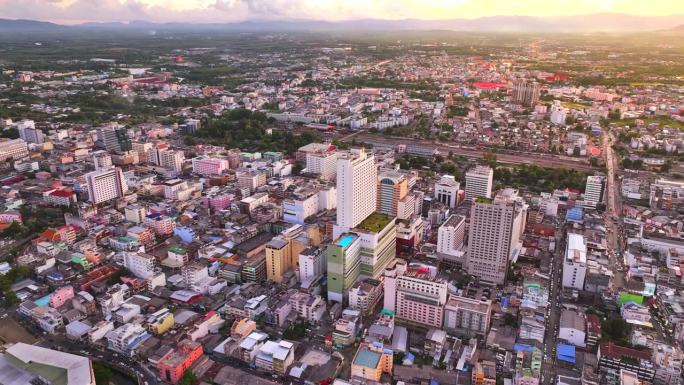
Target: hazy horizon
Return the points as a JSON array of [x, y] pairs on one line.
[[218, 11]]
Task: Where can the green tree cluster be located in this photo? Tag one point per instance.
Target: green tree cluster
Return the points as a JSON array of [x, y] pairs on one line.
[[537, 179], [243, 128]]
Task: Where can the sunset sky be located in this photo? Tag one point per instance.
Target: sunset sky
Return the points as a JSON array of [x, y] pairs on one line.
[[77, 11]]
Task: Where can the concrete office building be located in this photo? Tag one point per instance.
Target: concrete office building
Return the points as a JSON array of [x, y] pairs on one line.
[[322, 163], [593, 192], [29, 133], [392, 188], [378, 238], [344, 263], [102, 160], [209, 166], [114, 138], [575, 262], [396, 269], [467, 316], [14, 149], [312, 264], [526, 92], [277, 259], [356, 196], [419, 298], [105, 185], [494, 237], [446, 190], [451, 235], [479, 182]]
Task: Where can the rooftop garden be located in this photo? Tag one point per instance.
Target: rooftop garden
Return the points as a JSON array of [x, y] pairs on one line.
[[375, 222], [483, 200]]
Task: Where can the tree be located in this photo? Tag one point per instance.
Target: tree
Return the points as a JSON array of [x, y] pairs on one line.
[[189, 378], [510, 320], [103, 374], [13, 230], [490, 159], [616, 330]]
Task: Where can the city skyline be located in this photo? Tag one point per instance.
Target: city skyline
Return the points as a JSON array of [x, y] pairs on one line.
[[216, 11]]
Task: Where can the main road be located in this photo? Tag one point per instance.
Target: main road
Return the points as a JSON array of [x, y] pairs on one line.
[[613, 212], [554, 309], [502, 155]]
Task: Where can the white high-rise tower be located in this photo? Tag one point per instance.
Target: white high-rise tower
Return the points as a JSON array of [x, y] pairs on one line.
[[357, 178], [105, 185]]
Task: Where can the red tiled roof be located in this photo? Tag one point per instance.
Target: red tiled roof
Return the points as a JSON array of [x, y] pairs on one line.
[[609, 349], [62, 193], [593, 323]]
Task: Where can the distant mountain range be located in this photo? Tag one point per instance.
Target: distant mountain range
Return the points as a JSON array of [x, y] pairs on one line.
[[598, 22]]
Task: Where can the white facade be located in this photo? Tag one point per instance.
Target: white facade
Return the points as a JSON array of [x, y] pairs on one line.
[[356, 188], [593, 192], [141, 265], [495, 230], [14, 149], [102, 160], [479, 181], [446, 190], [451, 235], [322, 163], [311, 264], [558, 113], [575, 262], [172, 159], [135, 213], [105, 185], [296, 210], [390, 284]]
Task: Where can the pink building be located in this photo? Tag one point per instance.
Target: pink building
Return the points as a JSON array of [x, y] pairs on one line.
[[10, 216], [176, 362], [209, 166], [61, 296], [218, 202], [161, 225]]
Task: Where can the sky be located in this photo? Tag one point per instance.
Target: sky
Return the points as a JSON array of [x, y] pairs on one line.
[[78, 11]]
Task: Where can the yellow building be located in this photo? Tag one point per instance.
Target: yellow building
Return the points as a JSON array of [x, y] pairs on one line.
[[282, 252], [278, 260], [484, 373], [371, 361], [160, 322], [242, 328]]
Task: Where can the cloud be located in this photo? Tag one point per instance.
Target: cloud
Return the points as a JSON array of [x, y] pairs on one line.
[[75, 11]]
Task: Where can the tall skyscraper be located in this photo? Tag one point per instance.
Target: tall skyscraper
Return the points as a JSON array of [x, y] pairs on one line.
[[446, 190], [392, 188], [593, 192], [479, 181], [105, 185], [114, 138], [356, 193], [526, 92], [29, 133], [495, 229]]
